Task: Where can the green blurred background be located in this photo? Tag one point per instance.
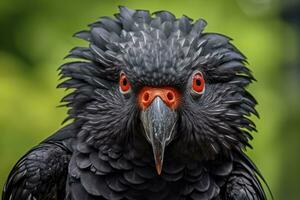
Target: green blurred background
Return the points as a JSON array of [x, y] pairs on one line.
[[35, 35]]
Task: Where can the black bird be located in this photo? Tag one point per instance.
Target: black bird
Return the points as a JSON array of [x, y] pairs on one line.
[[159, 110]]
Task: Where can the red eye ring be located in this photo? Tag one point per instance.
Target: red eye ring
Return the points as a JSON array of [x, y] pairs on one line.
[[124, 83], [198, 84]]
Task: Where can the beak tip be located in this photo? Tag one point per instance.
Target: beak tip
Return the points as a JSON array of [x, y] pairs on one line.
[[158, 168], [158, 164]]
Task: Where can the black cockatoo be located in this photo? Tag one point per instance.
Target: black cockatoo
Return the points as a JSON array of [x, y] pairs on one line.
[[159, 110]]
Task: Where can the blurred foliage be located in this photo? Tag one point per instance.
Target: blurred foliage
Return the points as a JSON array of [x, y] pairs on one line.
[[36, 34]]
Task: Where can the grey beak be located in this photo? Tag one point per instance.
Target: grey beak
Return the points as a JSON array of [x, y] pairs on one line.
[[159, 121]]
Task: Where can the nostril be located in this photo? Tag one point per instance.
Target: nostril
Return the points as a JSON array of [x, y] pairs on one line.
[[146, 96], [170, 96]]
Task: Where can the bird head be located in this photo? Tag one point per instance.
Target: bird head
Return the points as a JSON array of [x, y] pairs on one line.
[[160, 78]]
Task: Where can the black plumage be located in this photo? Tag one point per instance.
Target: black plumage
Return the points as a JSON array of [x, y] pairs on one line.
[[108, 150]]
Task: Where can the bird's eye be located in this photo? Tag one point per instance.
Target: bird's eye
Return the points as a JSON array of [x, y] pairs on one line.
[[198, 84], [124, 83]]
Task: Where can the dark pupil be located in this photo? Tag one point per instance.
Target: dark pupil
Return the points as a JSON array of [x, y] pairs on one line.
[[198, 82], [124, 82]]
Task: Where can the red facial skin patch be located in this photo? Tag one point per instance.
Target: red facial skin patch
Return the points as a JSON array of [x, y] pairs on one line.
[[169, 95]]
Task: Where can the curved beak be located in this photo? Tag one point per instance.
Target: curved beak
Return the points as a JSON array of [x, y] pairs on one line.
[[159, 121]]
